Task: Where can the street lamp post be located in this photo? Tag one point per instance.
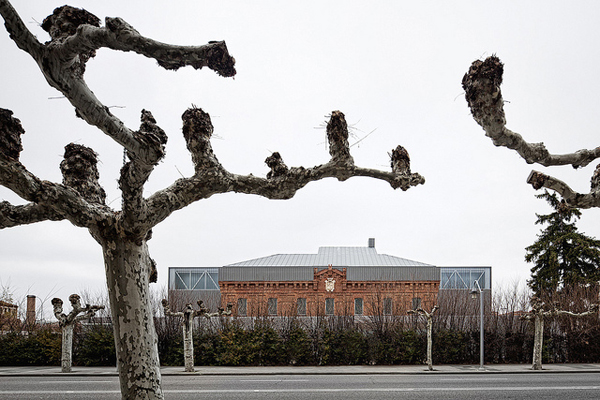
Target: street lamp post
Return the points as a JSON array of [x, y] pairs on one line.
[[478, 291]]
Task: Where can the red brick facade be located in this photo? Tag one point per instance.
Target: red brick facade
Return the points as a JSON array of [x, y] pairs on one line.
[[329, 293]]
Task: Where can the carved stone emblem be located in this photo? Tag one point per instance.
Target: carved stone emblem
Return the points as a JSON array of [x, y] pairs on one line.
[[330, 284]]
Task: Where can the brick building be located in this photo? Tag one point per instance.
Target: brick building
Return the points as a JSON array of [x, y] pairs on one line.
[[8, 315], [335, 281]]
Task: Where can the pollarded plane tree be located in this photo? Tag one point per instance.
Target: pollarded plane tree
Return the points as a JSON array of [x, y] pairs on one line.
[[429, 317], [188, 315], [541, 310], [482, 92], [124, 234], [67, 322]]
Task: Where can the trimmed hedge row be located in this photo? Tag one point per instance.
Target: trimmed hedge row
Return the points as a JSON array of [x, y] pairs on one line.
[[262, 344], [94, 347]]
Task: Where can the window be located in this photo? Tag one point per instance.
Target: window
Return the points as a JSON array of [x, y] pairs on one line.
[[301, 306], [272, 306], [329, 306], [387, 306], [358, 306], [242, 307], [416, 303]]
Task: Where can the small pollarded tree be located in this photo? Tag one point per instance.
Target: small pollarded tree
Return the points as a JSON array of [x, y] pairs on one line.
[[124, 234], [429, 317], [541, 310], [188, 315], [482, 92], [67, 322]]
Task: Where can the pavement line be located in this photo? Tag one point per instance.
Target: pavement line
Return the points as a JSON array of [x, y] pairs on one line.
[[61, 382], [315, 390], [365, 390]]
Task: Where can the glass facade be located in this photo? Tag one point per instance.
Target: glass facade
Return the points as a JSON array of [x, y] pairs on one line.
[[464, 278], [194, 278]]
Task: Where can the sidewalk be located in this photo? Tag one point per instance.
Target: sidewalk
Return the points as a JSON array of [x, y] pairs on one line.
[[338, 370]]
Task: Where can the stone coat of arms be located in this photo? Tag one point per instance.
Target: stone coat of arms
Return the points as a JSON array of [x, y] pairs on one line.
[[329, 284]]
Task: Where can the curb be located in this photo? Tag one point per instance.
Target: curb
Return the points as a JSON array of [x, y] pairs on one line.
[[290, 371]]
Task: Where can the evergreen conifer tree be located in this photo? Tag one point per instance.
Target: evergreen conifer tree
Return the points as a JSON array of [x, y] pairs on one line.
[[563, 257]]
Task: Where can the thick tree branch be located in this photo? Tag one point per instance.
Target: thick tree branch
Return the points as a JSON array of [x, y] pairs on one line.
[[11, 215], [593, 310], [73, 316], [482, 92], [539, 180], [19, 33], [281, 182], [80, 199], [420, 311], [119, 35], [134, 175], [221, 311], [188, 313], [64, 201], [541, 310]]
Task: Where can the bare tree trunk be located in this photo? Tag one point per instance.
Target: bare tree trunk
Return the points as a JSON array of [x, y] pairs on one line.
[[429, 317], [188, 344], [128, 268], [538, 342], [67, 348], [429, 343]]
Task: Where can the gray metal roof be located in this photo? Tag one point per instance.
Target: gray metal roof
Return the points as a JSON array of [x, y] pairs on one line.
[[361, 263], [336, 256]]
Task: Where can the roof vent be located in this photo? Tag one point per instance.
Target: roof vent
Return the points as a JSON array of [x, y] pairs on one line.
[[372, 243]]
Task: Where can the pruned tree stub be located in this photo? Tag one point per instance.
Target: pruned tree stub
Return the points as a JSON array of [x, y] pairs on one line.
[[483, 94]]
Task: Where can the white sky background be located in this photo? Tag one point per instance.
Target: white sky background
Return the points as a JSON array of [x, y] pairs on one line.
[[392, 67]]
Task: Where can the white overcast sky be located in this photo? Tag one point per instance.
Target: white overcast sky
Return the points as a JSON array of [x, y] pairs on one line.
[[393, 67]]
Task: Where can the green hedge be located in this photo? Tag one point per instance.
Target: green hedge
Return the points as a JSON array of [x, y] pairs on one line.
[[95, 347], [41, 347], [232, 344]]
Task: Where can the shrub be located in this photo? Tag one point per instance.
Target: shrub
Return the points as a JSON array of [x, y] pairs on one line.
[[41, 347], [344, 347], [95, 347]]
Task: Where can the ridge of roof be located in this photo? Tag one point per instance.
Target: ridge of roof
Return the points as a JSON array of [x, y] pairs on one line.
[[335, 255]]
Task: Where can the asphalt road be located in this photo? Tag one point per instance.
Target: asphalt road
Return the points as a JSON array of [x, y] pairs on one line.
[[347, 387]]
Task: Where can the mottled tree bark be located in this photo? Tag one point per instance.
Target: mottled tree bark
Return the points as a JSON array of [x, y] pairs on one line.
[[128, 270], [66, 357], [429, 318], [482, 92], [538, 341], [75, 36]]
